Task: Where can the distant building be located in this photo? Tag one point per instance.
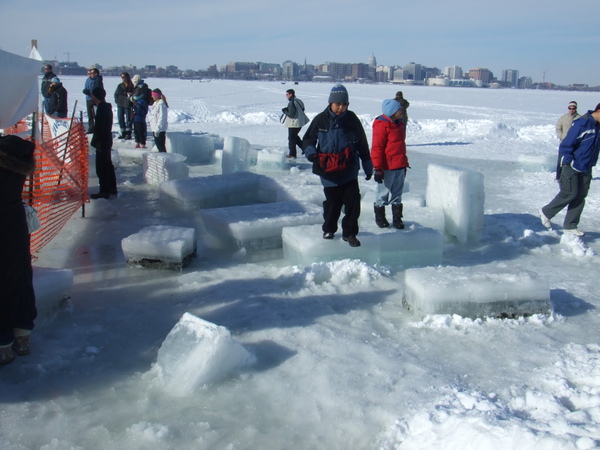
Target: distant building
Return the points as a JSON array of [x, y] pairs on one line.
[[510, 78], [413, 72], [481, 74], [453, 72]]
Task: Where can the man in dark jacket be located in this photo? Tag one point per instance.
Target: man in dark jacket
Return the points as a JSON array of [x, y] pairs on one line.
[[45, 88], [102, 141], [578, 153], [58, 99], [335, 143]]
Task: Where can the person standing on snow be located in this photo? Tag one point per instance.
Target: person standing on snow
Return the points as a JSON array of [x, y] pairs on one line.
[[566, 120], [17, 296], [578, 153], [335, 143], [93, 81], [295, 119], [102, 141], [58, 99], [388, 153], [45, 87], [159, 120]]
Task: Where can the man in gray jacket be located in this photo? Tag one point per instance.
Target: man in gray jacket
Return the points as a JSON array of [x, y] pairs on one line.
[[566, 120]]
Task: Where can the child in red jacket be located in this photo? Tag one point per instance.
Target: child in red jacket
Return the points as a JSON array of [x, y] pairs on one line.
[[388, 154]]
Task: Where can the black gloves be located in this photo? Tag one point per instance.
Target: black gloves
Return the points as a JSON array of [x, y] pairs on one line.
[[312, 157], [379, 176]]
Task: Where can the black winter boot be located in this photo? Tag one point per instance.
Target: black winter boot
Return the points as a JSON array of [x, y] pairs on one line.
[[380, 219], [397, 216]]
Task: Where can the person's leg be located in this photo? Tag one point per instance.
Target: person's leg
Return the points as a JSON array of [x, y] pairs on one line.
[[568, 192], [160, 140], [351, 201], [293, 141], [332, 208], [91, 116], [103, 169], [575, 207], [121, 118]]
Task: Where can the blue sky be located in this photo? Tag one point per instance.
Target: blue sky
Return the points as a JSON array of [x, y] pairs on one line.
[[536, 37]]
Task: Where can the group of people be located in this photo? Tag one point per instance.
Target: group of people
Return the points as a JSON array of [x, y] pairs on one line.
[[336, 144], [133, 98], [54, 94], [577, 155]]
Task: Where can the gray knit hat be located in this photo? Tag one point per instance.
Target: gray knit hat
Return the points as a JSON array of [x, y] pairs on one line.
[[338, 94]]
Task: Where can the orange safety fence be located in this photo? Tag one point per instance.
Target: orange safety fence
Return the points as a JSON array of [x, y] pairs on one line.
[[59, 185]]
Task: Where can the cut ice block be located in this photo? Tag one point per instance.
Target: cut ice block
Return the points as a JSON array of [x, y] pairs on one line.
[[197, 352], [198, 148], [270, 159], [304, 245], [494, 291], [160, 246], [243, 188], [51, 287], [460, 194], [258, 227], [238, 155], [537, 163], [159, 167]]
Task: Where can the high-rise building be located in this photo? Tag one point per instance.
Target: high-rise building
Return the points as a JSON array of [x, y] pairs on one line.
[[413, 71], [453, 72], [481, 74], [510, 77]]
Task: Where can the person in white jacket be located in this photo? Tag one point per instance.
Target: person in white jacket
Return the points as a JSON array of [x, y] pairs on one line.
[[158, 119]]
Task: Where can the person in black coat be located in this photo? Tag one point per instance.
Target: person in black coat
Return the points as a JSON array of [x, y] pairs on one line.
[[102, 141], [17, 297], [45, 87], [58, 99]]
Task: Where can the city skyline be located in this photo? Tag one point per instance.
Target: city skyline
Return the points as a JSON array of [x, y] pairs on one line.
[[536, 37]]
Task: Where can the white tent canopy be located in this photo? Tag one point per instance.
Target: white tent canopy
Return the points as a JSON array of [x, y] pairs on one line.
[[20, 95]]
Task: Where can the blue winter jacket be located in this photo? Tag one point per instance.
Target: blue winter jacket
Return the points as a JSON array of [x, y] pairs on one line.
[[329, 133], [91, 84], [581, 145], [140, 110]]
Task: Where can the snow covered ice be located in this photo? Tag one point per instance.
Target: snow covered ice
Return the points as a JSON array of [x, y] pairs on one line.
[[340, 362]]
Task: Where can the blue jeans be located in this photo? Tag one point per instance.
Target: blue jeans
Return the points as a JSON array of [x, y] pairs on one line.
[[124, 115], [390, 191]]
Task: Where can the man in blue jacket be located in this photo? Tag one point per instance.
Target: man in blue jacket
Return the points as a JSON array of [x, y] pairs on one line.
[[336, 144], [93, 81], [578, 153]]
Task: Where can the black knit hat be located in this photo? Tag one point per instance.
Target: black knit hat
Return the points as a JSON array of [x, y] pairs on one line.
[[338, 94], [99, 93]]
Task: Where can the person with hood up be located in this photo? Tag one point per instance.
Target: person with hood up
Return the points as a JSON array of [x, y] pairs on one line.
[[336, 144], [159, 119], [58, 99], [17, 296], [388, 152]]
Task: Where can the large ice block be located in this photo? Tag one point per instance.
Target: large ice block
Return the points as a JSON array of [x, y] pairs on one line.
[[537, 163], [270, 159], [197, 352], [52, 287], [243, 188], [475, 291], [160, 246], [238, 155], [258, 227], [460, 194], [159, 167], [415, 247], [198, 148]]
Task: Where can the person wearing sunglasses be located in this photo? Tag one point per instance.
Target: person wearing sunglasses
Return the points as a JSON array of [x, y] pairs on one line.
[[566, 120]]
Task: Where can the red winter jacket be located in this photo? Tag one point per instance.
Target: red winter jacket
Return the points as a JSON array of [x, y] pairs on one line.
[[388, 151]]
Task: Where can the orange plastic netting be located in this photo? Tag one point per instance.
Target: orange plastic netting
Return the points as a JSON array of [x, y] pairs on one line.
[[59, 185]]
